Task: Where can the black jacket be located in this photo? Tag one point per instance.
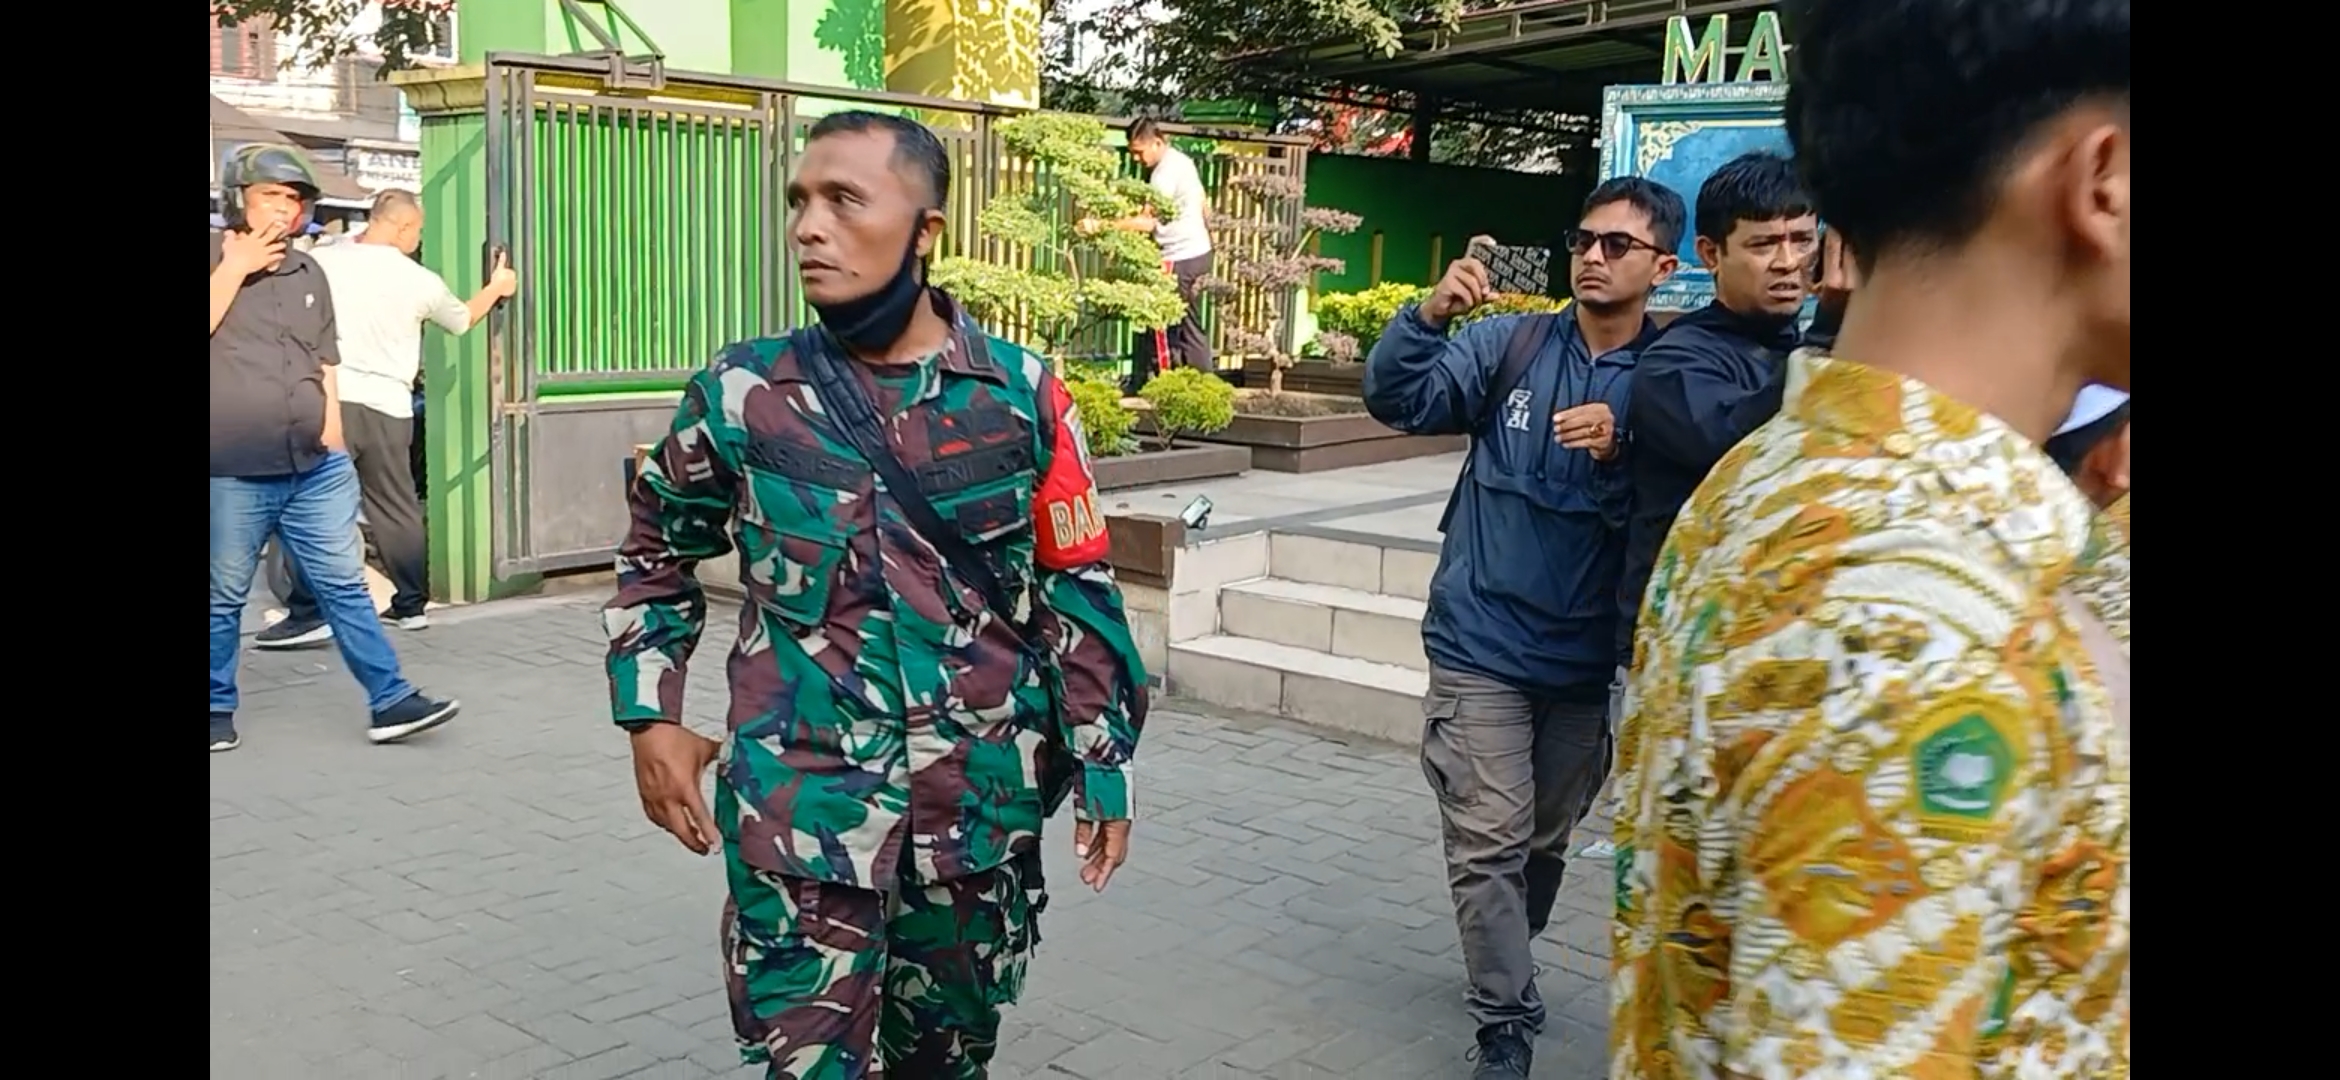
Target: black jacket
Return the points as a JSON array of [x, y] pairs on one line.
[[1708, 380]]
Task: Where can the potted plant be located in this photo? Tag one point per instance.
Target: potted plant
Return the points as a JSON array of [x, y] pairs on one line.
[[1186, 401]]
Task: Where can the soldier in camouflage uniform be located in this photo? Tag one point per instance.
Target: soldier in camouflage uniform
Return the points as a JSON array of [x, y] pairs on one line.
[[878, 794]]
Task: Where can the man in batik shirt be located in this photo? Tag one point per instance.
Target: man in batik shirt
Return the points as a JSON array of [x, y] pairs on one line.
[[1874, 806]]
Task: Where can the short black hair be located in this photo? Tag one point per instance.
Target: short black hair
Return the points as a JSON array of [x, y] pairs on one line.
[[1664, 208], [1906, 113], [1755, 186], [1144, 129], [916, 151], [2071, 448]]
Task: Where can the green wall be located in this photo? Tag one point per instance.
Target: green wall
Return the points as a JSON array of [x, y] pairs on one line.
[[1423, 215], [694, 35]]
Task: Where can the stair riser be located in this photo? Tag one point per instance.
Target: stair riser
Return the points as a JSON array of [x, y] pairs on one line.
[[1328, 703], [1321, 561], [1363, 635]]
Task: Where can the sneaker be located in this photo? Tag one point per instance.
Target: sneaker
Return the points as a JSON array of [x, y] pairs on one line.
[[1504, 1052], [416, 621], [292, 632], [417, 714], [223, 732]]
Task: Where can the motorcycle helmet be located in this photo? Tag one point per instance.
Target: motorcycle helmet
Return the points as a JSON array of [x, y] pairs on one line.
[[266, 163]]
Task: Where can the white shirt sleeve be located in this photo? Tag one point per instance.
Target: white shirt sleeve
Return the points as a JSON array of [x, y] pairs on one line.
[[440, 304]]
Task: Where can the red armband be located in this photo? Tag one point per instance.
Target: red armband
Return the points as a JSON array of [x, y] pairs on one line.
[[1070, 526]]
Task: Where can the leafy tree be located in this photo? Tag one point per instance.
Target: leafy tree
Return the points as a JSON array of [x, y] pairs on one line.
[[1159, 53], [409, 28], [1081, 270]]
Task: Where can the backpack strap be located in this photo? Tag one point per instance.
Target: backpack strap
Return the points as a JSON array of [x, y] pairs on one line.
[[1528, 338]]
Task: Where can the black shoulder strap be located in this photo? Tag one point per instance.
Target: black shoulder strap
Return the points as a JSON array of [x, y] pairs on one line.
[[1528, 336], [855, 418]]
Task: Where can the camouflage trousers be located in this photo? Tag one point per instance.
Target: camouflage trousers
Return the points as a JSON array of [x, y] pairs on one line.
[[832, 982]]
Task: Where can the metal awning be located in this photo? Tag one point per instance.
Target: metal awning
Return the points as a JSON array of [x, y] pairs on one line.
[[1545, 55], [231, 125]]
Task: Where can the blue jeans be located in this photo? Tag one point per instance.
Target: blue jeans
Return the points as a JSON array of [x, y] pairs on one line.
[[314, 515]]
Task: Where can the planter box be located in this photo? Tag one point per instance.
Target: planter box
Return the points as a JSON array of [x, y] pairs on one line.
[[1308, 377], [1306, 444], [1197, 461]]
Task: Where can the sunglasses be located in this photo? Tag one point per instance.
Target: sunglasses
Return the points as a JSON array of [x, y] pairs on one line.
[[1614, 245]]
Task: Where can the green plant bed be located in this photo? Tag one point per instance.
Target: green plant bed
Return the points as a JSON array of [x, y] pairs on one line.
[[1305, 433], [1309, 376], [1147, 468]]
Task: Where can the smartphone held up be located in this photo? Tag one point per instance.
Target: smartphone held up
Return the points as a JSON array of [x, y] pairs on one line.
[[1513, 268]]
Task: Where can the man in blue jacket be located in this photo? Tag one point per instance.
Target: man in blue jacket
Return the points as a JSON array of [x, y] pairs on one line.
[[1522, 610]]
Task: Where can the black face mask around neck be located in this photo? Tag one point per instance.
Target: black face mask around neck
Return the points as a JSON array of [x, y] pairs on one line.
[[873, 323]]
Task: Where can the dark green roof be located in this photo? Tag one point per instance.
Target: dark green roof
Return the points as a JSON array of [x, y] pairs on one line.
[[1551, 55]]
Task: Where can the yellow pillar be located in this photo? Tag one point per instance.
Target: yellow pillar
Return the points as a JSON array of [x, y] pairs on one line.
[[965, 50]]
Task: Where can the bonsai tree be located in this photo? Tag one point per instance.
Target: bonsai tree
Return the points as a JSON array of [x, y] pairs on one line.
[[1066, 277], [1188, 402], [1275, 264]]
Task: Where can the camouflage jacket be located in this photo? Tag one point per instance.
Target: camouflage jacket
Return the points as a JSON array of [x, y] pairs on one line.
[[878, 708]]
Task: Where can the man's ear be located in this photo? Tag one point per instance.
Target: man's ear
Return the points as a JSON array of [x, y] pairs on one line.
[[1709, 253], [2096, 184], [1666, 265], [930, 229]]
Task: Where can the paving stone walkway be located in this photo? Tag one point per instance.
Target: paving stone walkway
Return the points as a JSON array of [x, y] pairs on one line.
[[487, 902]]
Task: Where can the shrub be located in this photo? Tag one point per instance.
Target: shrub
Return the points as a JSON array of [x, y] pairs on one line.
[[1364, 314], [1189, 402], [1104, 419]]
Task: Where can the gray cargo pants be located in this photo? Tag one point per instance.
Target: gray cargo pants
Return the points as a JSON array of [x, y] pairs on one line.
[[1513, 773]]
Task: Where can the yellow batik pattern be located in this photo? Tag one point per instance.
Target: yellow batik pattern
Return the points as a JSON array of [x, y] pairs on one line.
[[1872, 814]]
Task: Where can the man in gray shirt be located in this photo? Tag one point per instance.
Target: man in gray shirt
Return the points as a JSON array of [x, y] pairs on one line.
[[278, 462]]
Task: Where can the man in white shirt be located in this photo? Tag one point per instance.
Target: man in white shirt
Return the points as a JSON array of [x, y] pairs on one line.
[[382, 296], [1185, 241]]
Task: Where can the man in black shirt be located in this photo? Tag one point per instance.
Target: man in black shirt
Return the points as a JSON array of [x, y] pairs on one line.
[[277, 462], [1715, 374]]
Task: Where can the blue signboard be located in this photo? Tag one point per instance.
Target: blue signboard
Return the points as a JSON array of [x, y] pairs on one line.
[[1677, 135]]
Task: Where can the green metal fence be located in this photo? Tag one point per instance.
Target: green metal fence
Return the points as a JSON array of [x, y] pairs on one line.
[[649, 227]]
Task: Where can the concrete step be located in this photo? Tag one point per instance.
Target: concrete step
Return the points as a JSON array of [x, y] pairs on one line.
[[1326, 618], [1381, 701], [1398, 568]]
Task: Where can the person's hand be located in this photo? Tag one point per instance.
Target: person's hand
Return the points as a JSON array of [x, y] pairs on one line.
[[247, 253], [1090, 226], [1590, 427], [1464, 287], [1145, 222], [669, 759], [1101, 846], [501, 280], [1836, 271]]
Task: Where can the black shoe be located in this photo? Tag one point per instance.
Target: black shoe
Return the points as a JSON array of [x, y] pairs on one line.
[[223, 732], [293, 632], [411, 717], [407, 620], [1504, 1052]]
